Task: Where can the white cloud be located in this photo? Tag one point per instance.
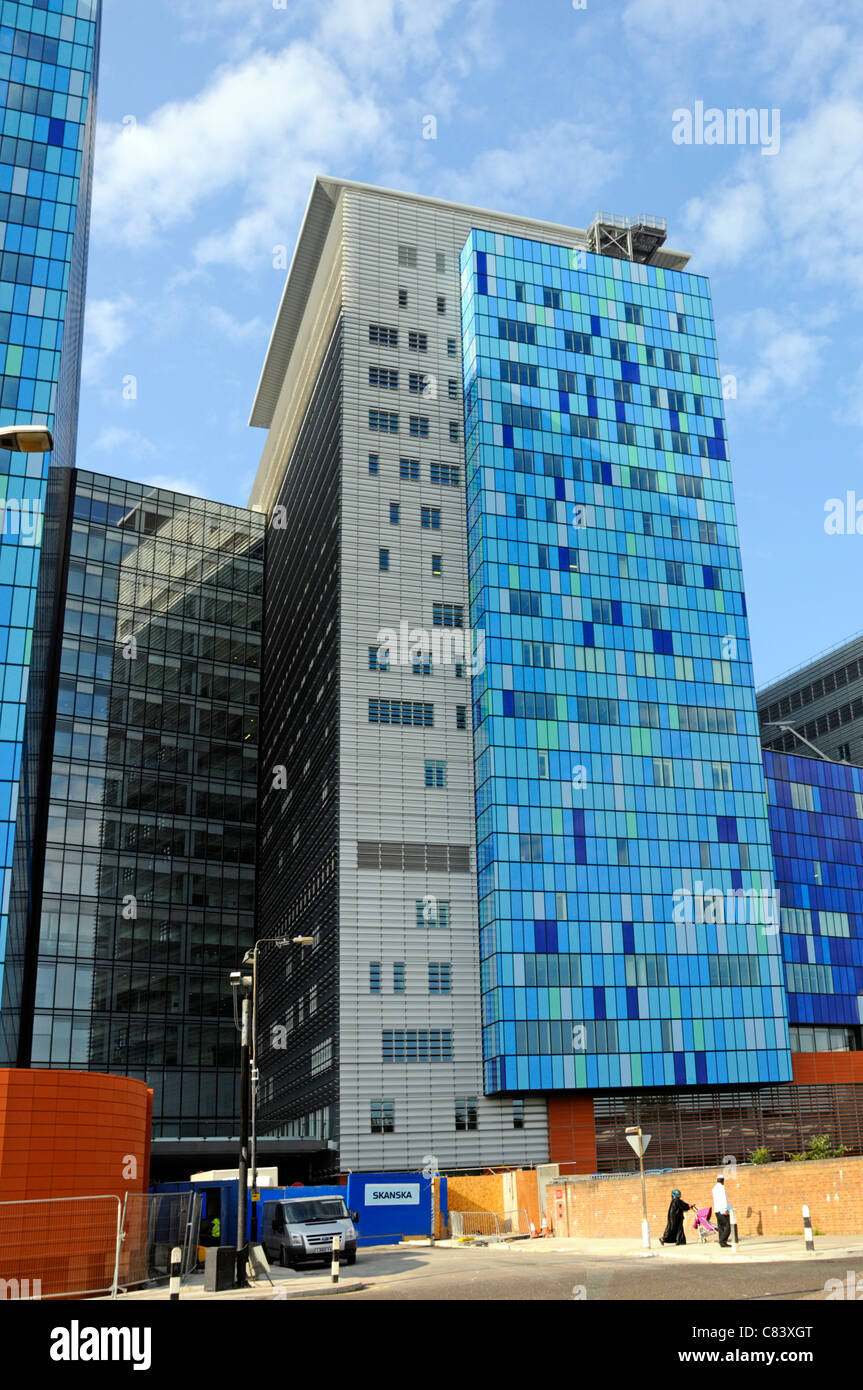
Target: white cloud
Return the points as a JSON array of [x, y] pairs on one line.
[[515, 178], [236, 330], [851, 412], [106, 328], [785, 357], [255, 129], [114, 439], [174, 484], [722, 227]]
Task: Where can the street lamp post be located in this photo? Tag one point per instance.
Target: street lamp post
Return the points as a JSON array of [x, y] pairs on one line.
[[26, 439], [250, 1062]]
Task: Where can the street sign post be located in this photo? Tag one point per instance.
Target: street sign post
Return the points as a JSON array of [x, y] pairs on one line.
[[638, 1142]]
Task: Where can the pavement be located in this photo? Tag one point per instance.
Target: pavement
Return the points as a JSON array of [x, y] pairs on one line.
[[383, 1268], [752, 1249]]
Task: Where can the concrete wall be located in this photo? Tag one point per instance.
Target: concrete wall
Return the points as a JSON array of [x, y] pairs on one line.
[[767, 1199]]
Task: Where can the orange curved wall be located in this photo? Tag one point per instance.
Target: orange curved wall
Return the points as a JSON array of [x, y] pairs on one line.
[[73, 1134]]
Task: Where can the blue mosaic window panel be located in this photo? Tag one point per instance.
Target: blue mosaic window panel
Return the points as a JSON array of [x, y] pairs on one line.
[[816, 824], [627, 933], [48, 58]]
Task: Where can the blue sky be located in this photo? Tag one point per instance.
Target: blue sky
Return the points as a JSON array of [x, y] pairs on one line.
[[214, 116]]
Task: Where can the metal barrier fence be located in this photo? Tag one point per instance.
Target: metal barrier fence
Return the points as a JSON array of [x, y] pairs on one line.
[[59, 1247], [153, 1223], [489, 1225], [74, 1247]]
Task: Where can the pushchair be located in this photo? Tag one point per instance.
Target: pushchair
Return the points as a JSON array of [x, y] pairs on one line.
[[703, 1225]]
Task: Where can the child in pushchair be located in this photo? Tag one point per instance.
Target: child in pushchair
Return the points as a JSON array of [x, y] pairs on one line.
[[702, 1224]]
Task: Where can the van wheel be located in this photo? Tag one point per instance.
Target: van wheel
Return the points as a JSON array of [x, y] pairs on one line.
[[352, 1259], [284, 1258]]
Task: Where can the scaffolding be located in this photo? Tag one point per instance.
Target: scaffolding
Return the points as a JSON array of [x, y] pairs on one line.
[[627, 238]]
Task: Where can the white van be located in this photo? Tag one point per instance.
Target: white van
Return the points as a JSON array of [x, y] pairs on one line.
[[296, 1230]]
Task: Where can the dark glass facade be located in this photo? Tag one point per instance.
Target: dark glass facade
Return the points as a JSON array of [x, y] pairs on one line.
[[298, 1012], [142, 792]]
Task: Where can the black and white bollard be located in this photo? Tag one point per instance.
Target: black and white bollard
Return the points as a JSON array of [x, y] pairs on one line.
[[176, 1265], [732, 1217], [335, 1267], [807, 1229]]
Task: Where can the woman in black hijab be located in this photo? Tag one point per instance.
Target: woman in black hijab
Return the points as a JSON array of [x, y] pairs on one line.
[[673, 1233]]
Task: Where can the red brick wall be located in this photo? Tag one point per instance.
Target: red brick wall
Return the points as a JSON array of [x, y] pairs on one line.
[[767, 1199]]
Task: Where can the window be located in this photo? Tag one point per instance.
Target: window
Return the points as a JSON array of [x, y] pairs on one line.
[[801, 796], [430, 518], [421, 666], [432, 912], [619, 350], [633, 313], [398, 977], [530, 849], [623, 853], [416, 1045], [459, 670], [418, 426], [374, 977], [466, 1112], [689, 486], [386, 377], [552, 299], [721, 774], [447, 615], [440, 262], [374, 465], [445, 473], [674, 572], [450, 347], [520, 292], [403, 299], [383, 560], [537, 654], [514, 331], [394, 513], [418, 342], [387, 337], [401, 712], [410, 469], [452, 388], [461, 716], [453, 431], [417, 382], [435, 773], [441, 304], [436, 565], [440, 977], [385, 421], [578, 342], [322, 1057], [378, 662], [663, 772], [383, 1116], [408, 256], [518, 1114]]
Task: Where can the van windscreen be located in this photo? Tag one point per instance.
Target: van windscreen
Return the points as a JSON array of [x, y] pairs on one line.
[[312, 1209]]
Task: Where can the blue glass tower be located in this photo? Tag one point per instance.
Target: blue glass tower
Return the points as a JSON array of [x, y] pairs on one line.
[[627, 923], [816, 821], [48, 60]]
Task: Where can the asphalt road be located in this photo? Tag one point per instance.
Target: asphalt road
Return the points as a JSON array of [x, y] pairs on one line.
[[484, 1275]]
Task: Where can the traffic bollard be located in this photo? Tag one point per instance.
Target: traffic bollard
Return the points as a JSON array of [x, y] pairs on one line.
[[807, 1229], [176, 1263], [335, 1265]]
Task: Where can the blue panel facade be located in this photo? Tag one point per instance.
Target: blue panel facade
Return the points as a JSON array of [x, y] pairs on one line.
[[816, 824], [48, 57], [627, 924]]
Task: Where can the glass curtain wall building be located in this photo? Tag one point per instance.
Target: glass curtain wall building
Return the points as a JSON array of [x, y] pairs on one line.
[[48, 63], [144, 796], [620, 796]]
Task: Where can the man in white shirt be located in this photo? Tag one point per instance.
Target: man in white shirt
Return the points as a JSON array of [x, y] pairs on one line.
[[721, 1212]]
